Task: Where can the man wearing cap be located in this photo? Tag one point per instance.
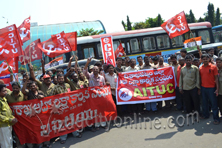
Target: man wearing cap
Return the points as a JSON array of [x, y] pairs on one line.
[[46, 86], [6, 120]]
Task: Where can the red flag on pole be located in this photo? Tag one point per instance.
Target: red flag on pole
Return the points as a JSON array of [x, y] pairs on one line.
[[24, 30], [72, 38], [119, 51], [13, 63], [10, 43], [57, 45], [176, 26], [31, 50], [107, 49]]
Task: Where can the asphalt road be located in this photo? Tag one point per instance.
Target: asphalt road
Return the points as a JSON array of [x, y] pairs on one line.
[[198, 135]]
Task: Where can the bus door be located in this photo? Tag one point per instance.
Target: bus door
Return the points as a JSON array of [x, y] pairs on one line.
[[88, 50]]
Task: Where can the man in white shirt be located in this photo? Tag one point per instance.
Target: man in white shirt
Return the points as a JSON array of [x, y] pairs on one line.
[[140, 61]]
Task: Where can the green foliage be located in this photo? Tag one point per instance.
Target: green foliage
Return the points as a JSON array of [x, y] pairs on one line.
[[140, 25], [159, 20], [218, 20], [89, 32], [22, 68], [211, 15], [129, 24], [124, 25], [192, 17], [151, 22], [201, 19], [36, 68]]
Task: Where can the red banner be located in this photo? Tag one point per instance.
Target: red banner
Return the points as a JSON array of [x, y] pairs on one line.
[[72, 38], [32, 51], [107, 49], [176, 26], [24, 30], [119, 51], [40, 120], [146, 86], [7, 81], [13, 63], [10, 43]]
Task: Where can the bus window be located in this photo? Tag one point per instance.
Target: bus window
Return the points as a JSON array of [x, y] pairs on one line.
[[188, 35], [177, 41], [163, 41], [149, 43], [115, 45], [88, 52], [217, 36], [99, 50], [134, 46], [205, 36]]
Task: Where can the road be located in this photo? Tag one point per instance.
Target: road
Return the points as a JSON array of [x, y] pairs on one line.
[[197, 135]]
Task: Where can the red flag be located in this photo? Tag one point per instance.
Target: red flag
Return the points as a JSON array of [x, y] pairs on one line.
[[119, 51], [107, 49], [176, 26], [57, 45], [24, 30], [72, 38], [7, 81], [10, 43], [13, 63], [35, 53]]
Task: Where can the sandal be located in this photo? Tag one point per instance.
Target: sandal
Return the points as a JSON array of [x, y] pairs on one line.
[[216, 122], [63, 141]]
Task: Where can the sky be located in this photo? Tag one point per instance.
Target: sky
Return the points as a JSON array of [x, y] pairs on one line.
[[111, 13]]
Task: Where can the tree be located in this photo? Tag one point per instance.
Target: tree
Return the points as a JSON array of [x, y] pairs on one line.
[[192, 17], [159, 20], [217, 22], [129, 24], [211, 15], [151, 22], [201, 19], [89, 32], [188, 18], [124, 25], [140, 25]]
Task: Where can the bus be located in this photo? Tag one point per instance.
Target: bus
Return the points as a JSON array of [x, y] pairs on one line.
[[217, 34], [149, 42]]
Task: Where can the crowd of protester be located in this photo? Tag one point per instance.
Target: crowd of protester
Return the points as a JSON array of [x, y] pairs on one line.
[[199, 88]]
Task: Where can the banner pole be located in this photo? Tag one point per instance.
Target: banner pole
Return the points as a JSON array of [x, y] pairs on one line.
[[11, 70]]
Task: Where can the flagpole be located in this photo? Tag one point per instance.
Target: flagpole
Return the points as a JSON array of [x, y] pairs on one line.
[[11, 70]]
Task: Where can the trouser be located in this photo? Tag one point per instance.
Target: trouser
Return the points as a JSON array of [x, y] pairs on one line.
[[219, 102], [179, 100], [191, 100], [118, 107], [136, 108], [151, 106], [209, 95], [6, 137], [64, 137]]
